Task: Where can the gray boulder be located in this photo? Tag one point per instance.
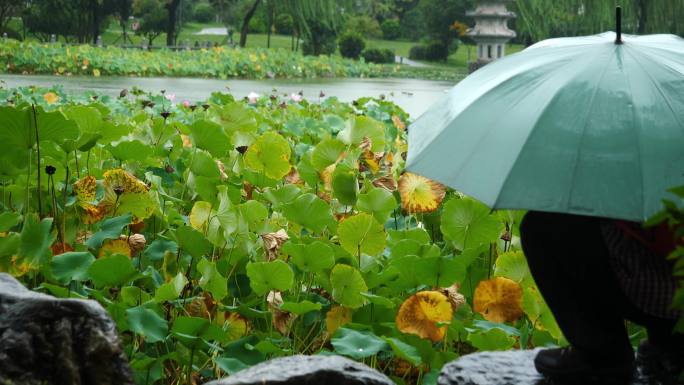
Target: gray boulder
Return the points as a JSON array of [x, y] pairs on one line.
[[512, 367], [50, 341], [516, 367], [307, 370]]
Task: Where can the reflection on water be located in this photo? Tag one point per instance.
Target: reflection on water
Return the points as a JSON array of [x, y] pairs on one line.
[[415, 96]]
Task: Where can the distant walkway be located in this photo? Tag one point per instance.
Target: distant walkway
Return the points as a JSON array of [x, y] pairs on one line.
[[221, 31], [409, 62]]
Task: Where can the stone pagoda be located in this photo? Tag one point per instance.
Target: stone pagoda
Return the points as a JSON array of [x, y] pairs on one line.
[[491, 32]]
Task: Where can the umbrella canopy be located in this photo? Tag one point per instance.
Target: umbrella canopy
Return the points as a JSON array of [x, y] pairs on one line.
[[572, 125]]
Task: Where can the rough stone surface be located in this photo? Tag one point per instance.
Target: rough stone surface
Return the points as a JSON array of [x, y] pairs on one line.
[[307, 370], [513, 367], [50, 341]]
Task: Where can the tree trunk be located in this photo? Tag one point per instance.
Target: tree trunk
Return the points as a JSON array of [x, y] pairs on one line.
[[643, 16], [245, 23], [96, 20], [171, 26]]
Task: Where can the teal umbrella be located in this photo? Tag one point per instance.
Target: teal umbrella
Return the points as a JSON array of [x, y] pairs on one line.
[[589, 125]]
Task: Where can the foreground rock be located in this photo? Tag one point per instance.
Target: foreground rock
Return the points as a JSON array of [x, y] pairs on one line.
[[50, 341], [307, 370], [513, 367]]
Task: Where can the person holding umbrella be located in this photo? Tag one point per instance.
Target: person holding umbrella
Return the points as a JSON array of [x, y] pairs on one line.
[[588, 134]]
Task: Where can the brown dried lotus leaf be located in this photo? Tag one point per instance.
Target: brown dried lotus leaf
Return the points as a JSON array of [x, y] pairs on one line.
[[421, 313], [420, 194], [387, 182], [326, 176], [249, 189], [115, 246], [197, 308], [293, 177], [93, 214], [498, 300], [456, 299], [222, 170], [60, 248], [398, 123], [336, 317], [324, 195], [282, 321], [273, 242], [366, 144]]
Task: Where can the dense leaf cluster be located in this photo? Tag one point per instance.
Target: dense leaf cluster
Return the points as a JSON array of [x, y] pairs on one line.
[[223, 234]]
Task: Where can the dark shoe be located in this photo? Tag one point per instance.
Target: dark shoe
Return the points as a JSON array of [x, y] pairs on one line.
[[569, 366], [660, 362]]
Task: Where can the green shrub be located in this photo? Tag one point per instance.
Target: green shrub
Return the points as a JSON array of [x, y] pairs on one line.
[[412, 26], [391, 30], [436, 51], [351, 45], [377, 55], [364, 25], [203, 13], [284, 24], [417, 52]]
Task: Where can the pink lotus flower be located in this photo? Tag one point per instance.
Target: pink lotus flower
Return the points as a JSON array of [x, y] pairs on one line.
[[296, 98], [170, 97], [186, 103], [253, 97]]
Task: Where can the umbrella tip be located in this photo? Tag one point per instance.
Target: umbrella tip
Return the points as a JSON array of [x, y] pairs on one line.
[[618, 25]]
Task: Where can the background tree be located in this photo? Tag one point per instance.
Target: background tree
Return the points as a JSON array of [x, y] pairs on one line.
[[8, 9], [172, 8], [439, 17], [152, 18]]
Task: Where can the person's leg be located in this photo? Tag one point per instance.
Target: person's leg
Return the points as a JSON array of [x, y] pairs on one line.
[[569, 262]]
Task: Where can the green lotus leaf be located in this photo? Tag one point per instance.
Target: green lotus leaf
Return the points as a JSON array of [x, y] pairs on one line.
[[314, 257], [71, 266], [309, 211], [269, 154], [348, 284], [300, 308], [379, 202], [469, 223], [357, 344], [147, 323], [112, 270], [361, 233], [267, 276]]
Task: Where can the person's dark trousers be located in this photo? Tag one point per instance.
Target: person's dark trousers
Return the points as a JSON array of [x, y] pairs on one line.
[[569, 261]]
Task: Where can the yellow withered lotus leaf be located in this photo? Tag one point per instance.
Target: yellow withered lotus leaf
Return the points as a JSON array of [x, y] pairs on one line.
[[336, 317], [85, 191], [118, 181], [234, 325], [51, 97], [421, 313], [420, 194], [498, 300], [387, 182], [115, 246]]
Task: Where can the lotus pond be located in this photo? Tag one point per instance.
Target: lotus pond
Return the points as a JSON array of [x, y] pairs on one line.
[[224, 233]]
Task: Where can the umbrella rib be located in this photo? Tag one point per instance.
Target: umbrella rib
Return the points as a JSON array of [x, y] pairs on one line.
[[637, 134], [584, 130]]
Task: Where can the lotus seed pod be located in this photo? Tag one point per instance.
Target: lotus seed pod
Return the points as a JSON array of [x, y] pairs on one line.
[[137, 242]]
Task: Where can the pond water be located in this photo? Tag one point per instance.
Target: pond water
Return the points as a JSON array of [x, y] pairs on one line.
[[414, 96]]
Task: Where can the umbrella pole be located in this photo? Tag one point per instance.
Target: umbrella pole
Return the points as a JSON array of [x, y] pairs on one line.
[[618, 25]]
